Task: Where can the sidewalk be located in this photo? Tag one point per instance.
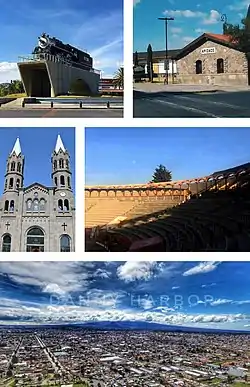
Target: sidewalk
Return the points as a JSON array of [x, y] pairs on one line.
[[182, 88]]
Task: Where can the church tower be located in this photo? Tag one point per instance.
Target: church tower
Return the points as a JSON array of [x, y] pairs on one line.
[[61, 174], [14, 169]]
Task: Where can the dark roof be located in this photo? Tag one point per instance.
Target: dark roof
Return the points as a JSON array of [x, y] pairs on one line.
[[224, 40], [239, 168], [157, 54]]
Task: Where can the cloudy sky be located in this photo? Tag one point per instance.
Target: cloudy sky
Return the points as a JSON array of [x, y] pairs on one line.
[[205, 294], [191, 19], [92, 25]]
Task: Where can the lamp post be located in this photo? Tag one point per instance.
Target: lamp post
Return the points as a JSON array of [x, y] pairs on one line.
[[166, 38]]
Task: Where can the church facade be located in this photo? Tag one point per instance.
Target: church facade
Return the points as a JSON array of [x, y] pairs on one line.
[[37, 218]]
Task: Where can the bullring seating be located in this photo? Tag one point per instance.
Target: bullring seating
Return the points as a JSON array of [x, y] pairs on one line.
[[212, 221]]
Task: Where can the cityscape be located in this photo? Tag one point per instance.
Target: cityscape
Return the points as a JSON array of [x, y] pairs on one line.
[[149, 324]]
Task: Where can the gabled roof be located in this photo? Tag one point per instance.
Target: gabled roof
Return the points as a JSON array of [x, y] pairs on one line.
[[225, 40], [36, 185]]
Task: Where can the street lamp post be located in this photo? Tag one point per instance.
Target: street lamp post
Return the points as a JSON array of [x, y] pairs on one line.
[[166, 38]]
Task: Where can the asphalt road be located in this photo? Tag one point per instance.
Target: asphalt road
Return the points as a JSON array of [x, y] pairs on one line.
[[61, 113], [171, 104]]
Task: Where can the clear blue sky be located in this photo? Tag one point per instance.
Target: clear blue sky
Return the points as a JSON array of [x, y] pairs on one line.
[[130, 155], [88, 24], [192, 18], [37, 145], [205, 294]]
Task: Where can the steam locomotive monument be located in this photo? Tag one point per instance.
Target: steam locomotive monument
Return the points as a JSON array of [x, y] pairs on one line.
[[54, 67]]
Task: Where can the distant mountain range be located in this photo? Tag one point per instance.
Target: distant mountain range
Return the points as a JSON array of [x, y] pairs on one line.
[[125, 326]]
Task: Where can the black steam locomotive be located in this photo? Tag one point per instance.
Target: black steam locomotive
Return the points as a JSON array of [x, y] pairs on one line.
[[64, 52]]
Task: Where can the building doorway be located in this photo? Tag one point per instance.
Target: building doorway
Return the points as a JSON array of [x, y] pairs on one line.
[[35, 240]]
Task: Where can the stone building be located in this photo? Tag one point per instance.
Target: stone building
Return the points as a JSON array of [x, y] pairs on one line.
[[212, 59], [37, 218]]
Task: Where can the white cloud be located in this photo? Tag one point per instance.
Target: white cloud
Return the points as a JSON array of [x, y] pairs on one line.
[[66, 274], [201, 268], [176, 30], [8, 71], [132, 271], [187, 39], [207, 18], [175, 287], [220, 302], [184, 13], [200, 30], [213, 18]]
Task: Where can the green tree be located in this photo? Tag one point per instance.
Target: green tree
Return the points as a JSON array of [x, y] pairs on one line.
[[161, 174], [150, 63], [118, 80]]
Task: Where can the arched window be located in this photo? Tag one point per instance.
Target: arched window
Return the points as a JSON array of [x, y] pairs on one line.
[[19, 167], [69, 185], [29, 205], [13, 166], [220, 66], [55, 181], [42, 205], [8, 167], [18, 183], [6, 246], [6, 184], [6, 205], [12, 206], [65, 244], [36, 205], [60, 205], [55, 165], [198, 67], [66, 205], [35, 240], [67, 164], [61, 163], [62, 181], [11, 182]]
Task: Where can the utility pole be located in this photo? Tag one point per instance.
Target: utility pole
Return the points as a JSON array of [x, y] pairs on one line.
[[166, 67]]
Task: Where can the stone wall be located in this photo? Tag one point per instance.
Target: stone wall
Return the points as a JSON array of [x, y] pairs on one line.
[[235, 66]]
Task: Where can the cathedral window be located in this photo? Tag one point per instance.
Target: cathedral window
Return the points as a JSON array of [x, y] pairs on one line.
[[65, 244], [13, 166], [6, 184], [42, 205], [66, 205], [60, 205], [61, 163], [35, 240], [6, 245], [69, 184], [11, 182], [8, 167], [6, 205], [19, 167], [12, 206], [67, 164], [36, 205], [62, 180], [18, 183], [198, 67], [29, 205], [55, 181], [55, 165]]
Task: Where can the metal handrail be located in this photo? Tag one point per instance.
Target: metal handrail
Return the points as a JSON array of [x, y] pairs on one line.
[[52, 58]]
